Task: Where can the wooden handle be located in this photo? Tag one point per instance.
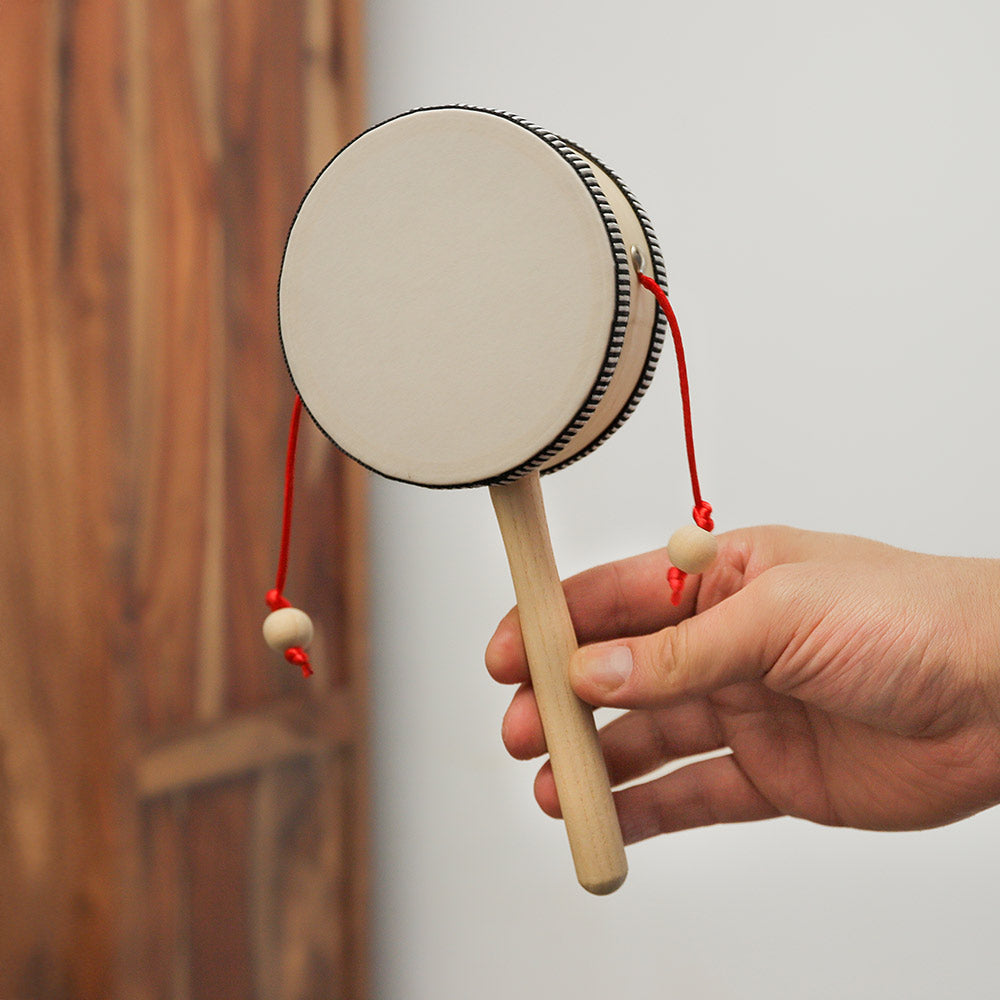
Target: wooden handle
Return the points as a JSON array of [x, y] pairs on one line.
[[577, 763]]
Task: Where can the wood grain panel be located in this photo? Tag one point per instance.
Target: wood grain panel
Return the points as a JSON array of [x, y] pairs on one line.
[[166, 960], [217, 838], [93, 267], [62, 222], [181, 815], [299, 839], [173, 380], [28, 236], [288, 730]]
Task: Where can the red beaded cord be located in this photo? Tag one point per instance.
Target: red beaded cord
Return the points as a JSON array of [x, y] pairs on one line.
[[702, 512], [275, 598]]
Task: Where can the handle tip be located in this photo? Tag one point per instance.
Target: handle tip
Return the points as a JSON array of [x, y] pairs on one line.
[[604, 885]]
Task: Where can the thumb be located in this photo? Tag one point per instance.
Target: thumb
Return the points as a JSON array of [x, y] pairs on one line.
[[737, 640]]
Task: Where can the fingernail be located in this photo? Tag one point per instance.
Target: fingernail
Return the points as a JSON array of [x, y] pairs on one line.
[[608, 667]]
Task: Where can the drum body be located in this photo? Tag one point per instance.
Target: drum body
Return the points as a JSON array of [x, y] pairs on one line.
[[458, 304]]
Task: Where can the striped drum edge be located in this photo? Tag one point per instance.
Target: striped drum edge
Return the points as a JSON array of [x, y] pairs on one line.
[[457, 302]]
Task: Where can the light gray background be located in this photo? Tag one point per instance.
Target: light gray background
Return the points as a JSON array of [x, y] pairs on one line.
[[823, 179]]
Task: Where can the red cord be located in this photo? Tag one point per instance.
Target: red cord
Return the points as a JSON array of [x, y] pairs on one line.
[[676, 578], [702, 512], [275, 598], [286, 520]]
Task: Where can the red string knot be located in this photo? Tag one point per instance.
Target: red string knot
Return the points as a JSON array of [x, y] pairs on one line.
[[676, 578], [298, 656], [702, 515], [275, 600]]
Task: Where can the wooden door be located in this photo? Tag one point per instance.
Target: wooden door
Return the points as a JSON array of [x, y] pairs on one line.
[[181, 813]]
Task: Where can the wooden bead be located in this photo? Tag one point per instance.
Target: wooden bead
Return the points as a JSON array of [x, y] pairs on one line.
[[692, 549], [286, 628]]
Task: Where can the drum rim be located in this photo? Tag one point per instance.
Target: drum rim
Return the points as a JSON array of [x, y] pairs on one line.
[[574, 156], [658, 333]]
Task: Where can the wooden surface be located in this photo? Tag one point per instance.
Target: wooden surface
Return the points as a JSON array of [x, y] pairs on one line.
[[578, 767], [181, 814]]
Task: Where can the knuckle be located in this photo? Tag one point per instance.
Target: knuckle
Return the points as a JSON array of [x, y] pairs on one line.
[[619, 609], [667, 667]]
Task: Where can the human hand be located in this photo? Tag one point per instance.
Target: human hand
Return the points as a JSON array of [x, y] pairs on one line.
[[853, 684]]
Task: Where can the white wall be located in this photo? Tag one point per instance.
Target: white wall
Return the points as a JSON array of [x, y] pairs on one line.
[[824, 181]]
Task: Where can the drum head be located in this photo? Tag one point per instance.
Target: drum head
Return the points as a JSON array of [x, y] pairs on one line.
[[454, 297]]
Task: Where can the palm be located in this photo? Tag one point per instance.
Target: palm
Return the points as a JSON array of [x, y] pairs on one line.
[[831, 769]]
